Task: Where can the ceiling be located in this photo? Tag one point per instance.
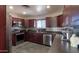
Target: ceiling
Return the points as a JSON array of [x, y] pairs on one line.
[[31, 11]]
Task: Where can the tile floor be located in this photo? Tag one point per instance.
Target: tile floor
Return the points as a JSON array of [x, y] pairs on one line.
[[58, 46]]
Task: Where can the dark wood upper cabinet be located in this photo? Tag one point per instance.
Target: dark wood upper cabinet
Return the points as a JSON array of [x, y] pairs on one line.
[[48, 21], [60, 21], [23, 22], [17, 20], [3, 47], [31, 23], [26, 23]]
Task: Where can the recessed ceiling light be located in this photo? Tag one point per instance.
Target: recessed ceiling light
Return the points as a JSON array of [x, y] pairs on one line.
[[48, 6], [10, 7], [24, 13]]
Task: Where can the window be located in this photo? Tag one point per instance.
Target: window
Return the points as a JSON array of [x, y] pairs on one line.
[[75, 21], [40, 24]]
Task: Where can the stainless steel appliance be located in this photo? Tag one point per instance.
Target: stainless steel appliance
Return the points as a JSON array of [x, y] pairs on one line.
[[47, 39]]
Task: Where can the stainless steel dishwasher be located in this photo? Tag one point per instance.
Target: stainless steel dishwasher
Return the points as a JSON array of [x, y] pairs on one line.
[[47, 39]]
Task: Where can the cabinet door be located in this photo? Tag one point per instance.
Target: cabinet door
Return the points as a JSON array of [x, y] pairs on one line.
[[26, 23], [35, 38], [3, 47], [2, 16], [60, 21], [14, 39], [30, 37], [39, 38], [48, 21], [31, 23], [2, 40]]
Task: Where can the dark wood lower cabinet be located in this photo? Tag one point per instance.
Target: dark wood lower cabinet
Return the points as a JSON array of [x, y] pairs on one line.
[[39, 38], [34, 37], [31, 37], [14, 39]]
